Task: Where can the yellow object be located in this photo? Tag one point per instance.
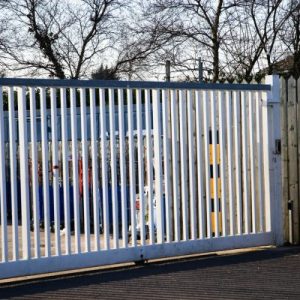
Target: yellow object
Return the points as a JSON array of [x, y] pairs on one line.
[[211, 157], [212, 196], [213, 222]]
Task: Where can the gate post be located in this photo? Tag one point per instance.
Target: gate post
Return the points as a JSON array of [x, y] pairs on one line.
[[272, 159]]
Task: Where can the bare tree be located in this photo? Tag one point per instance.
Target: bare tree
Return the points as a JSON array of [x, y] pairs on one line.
[[268, 18], [60, 37], [201, 23], [290, 37], [253, 44], [139, 49], [242, 48], [72, 39]]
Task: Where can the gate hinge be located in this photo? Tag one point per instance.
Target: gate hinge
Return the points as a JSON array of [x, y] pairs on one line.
[[277, 146]]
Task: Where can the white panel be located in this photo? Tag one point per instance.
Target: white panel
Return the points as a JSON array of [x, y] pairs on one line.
[[199, 132], [183, 164], [73, 101], [175, 168], [65, 158], [237, 144], [229, 114], [140, 143], [113, 168], [259, 162], [192, 181], [122, 147], [158, 165], [3, 204], [149, 163], [95, 177], [245, 163], [13, 177], [252, 160], [222, 161], [45, 169], [104, 169], [167, 174], [34, 173], [55, 171], [131, 168], [85, 172]]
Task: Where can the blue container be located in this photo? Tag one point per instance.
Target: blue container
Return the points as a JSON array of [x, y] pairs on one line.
[[61, 205]]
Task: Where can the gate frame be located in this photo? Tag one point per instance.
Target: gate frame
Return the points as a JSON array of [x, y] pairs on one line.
[[272, 184]]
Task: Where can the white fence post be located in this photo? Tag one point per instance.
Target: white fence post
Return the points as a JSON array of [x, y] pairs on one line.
[[272, 159]]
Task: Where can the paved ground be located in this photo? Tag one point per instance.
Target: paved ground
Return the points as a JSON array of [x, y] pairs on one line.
[[268, 274]]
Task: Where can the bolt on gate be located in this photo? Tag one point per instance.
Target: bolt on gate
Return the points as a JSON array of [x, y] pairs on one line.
[[193, 170]]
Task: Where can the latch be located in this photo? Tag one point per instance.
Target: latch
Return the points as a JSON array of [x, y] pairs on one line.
[[277, 146]]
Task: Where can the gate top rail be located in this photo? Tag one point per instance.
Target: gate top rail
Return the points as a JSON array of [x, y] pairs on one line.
[[132, 84]]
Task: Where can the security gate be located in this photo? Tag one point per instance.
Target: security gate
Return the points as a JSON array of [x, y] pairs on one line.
[[147, 170]]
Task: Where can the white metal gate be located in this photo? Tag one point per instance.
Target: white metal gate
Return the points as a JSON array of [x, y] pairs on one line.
[[149, 170]]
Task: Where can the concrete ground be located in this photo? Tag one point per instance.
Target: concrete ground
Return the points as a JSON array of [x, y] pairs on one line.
[[264, 274]]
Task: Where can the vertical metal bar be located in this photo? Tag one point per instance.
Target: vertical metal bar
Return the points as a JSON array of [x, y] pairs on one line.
[[65, 158], [45, 162], [252, 161], [199, 132], [85, 173], [222, 161], [95, 184], [192, 184], [230, 163], [207, 162], [215, 162], [122, 147], [3, 204], [149, 155], [113, 168], [73, 102], [259, 161], [34, 169], [183, 164], [166, 150], [158, 165], [55, 171], [245, 163], [23, 150], [131, 167], [140, 166], [175, 170], [104, 169], [13, 177], [236, 108]]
